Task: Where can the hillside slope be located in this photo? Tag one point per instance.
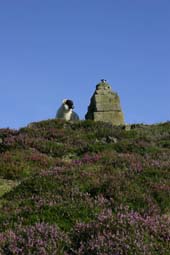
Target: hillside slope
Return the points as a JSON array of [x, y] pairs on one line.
[[85, 188]]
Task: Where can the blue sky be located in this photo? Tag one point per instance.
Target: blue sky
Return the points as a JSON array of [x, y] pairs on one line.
[[56, 49]]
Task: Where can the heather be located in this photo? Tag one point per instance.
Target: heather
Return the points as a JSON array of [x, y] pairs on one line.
[[85, 188], [39, 239]]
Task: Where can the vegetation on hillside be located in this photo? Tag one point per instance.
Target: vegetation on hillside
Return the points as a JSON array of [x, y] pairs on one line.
[[85, 188]]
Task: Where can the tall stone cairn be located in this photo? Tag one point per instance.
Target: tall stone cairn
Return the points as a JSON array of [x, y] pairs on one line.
[[105, 105]]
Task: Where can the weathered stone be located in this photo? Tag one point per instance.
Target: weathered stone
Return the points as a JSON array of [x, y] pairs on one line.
[[127, 127], [105, 105], [108, 139]]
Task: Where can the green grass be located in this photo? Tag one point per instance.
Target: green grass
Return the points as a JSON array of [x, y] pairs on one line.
[[6, 186]]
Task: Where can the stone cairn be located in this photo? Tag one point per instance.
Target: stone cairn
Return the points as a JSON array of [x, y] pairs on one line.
[[105, 105]]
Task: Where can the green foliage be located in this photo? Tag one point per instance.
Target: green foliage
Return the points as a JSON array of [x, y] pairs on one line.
[[86, 179]]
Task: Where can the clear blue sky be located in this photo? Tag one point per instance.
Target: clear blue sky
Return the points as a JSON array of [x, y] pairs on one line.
[[56, 49]]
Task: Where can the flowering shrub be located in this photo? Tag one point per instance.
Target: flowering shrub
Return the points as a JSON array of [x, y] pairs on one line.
[[87, 159], [76, 176], [39, 239], [130, 162], [20, 163], [123, 233]]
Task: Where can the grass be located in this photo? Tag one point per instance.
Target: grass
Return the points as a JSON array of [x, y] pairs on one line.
[[6, 186], [100, 188]]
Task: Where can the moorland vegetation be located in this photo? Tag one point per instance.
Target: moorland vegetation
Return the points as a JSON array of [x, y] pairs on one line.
[[85, 188]]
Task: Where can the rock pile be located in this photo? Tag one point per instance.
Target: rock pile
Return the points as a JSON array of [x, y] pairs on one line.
[[105, 105]]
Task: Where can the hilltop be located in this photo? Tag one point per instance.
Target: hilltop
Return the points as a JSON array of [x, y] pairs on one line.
[[85, 188]]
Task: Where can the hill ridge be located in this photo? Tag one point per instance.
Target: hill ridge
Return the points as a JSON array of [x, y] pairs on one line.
[[85, 188]]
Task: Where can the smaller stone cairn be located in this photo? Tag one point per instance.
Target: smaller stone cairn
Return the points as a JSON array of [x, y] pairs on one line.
[[105, 105]]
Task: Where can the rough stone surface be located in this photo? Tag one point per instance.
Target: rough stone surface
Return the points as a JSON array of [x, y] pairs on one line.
[[105, 105]]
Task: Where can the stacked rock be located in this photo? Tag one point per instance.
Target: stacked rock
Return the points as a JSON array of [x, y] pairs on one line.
[[105, 105]]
